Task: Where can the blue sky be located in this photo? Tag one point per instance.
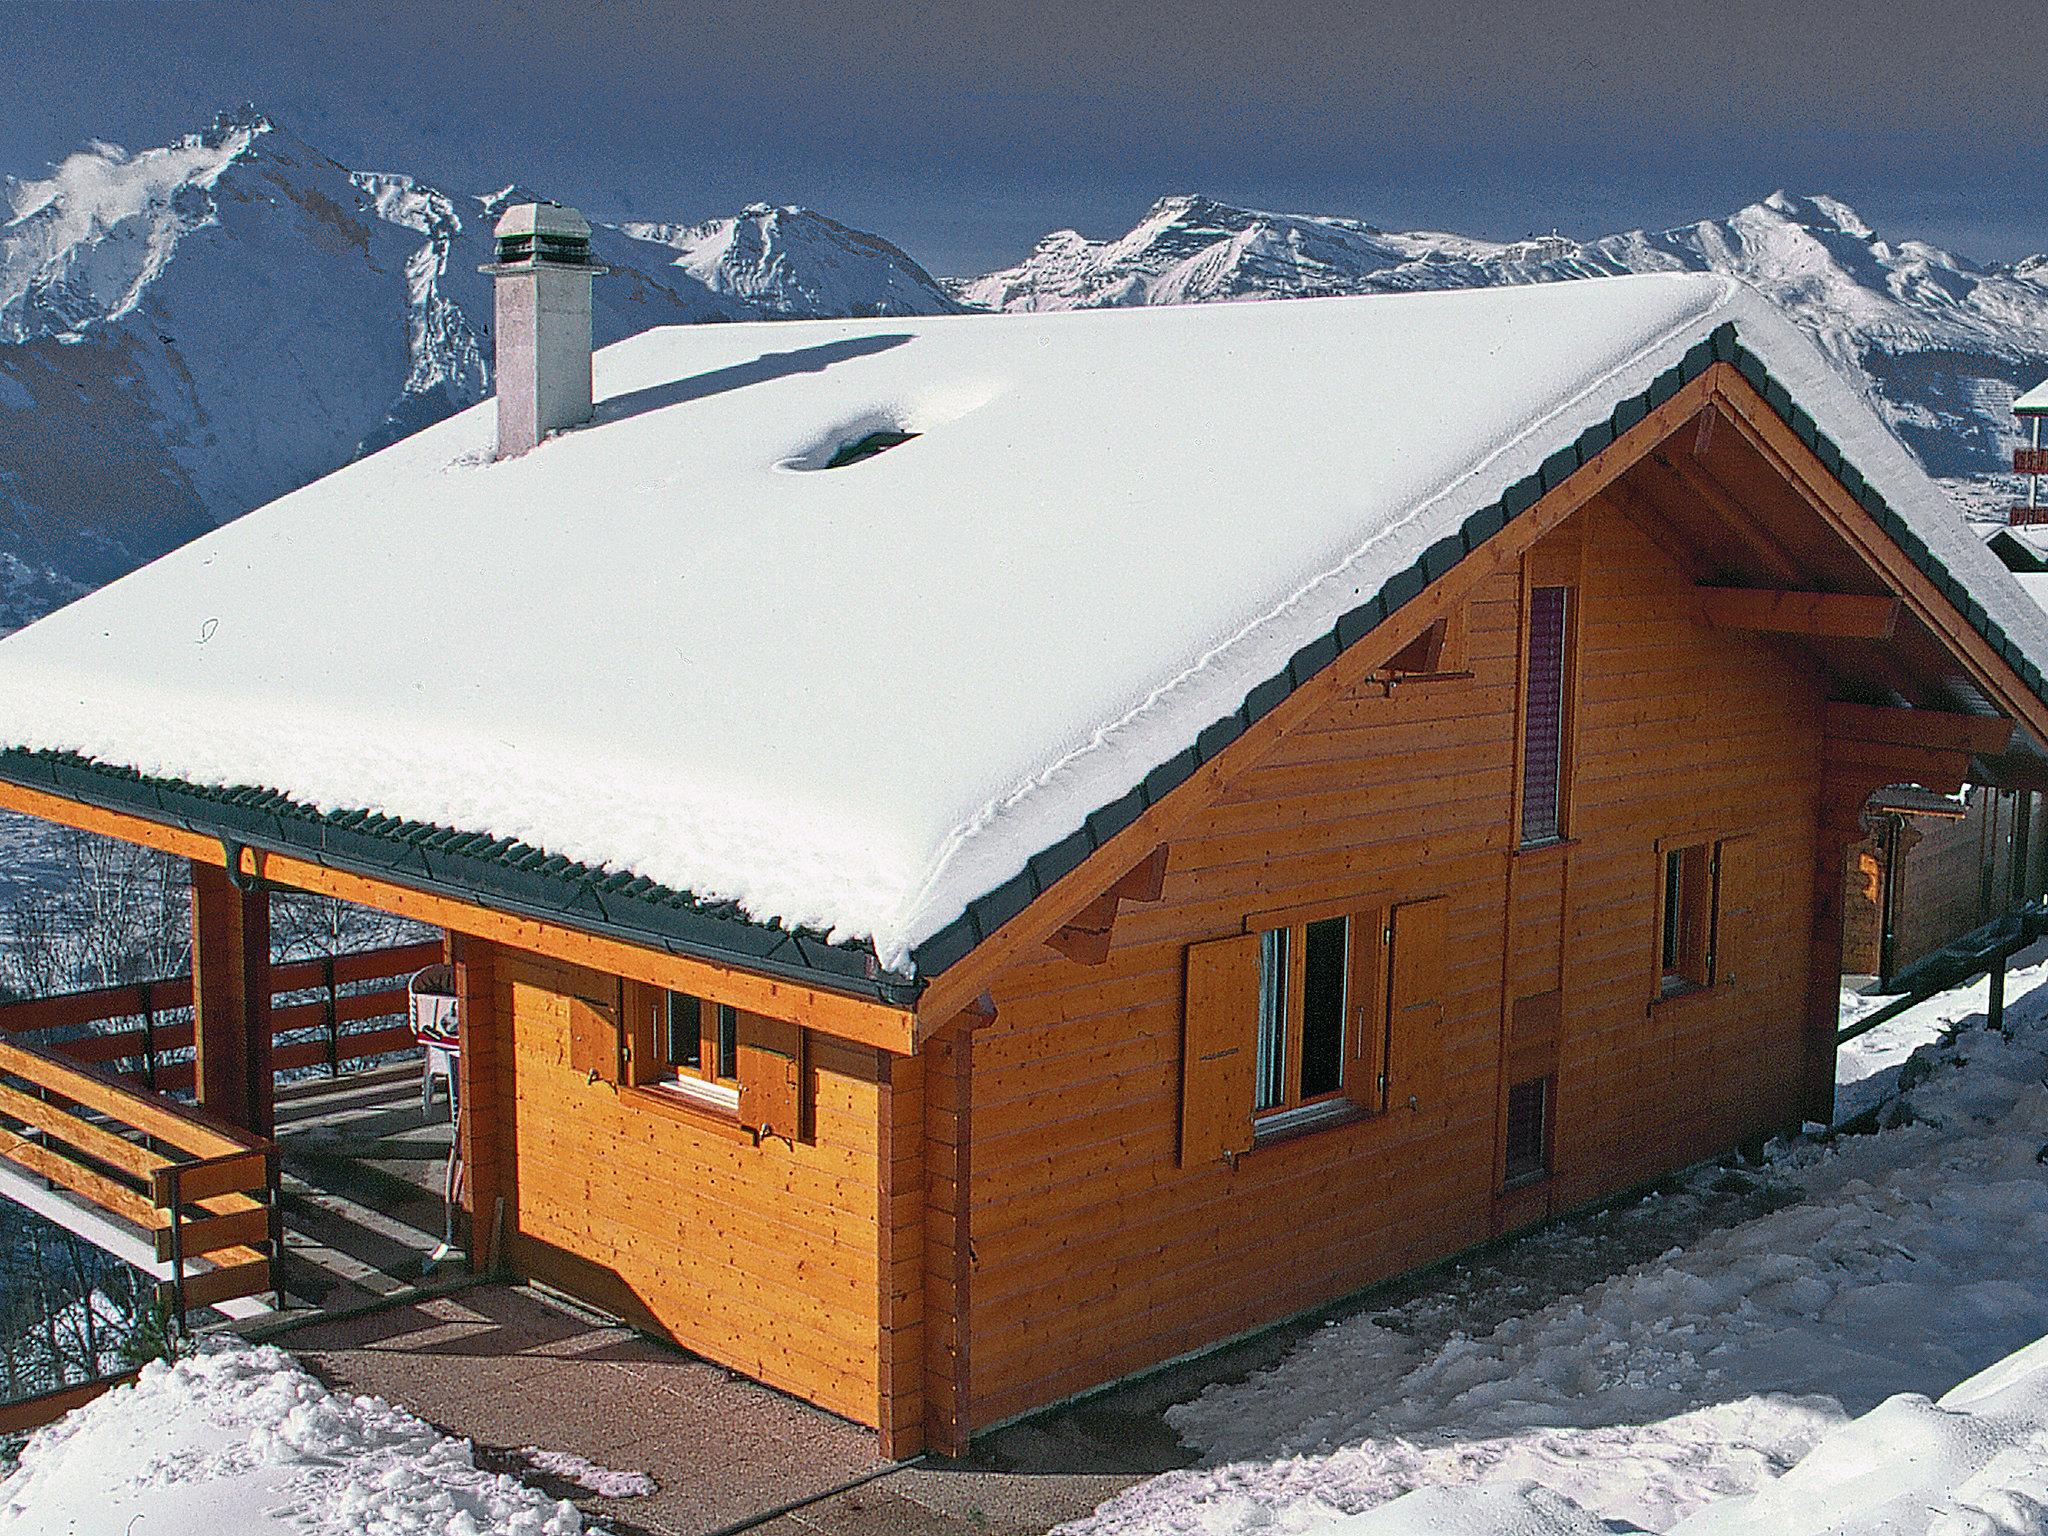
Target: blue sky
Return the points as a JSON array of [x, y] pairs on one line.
[[964, 132]]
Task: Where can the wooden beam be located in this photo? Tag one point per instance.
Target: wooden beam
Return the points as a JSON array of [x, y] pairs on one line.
[[863, 1020], [1761, 426], [1758, 542], [1874, 764], [2011, 770], [1827, 615], [231, 1036], [1025, 932], [1980, 735]]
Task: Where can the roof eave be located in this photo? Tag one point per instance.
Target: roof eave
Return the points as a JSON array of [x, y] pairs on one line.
[[472, 869]]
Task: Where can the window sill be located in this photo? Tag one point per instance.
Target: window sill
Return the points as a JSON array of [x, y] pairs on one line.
[[1554, 847], [1677, 990], [1290, 1124], [1522, 1181], [709, 1107]]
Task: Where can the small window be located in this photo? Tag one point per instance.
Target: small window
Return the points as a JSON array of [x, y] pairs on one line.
[[1546, 707], [1304, 977], [1528, 1132], [862, 448], [1691, 877], [690, 1041]]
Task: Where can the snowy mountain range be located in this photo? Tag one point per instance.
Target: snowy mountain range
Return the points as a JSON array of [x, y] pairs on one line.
[[189, 331], [1940, 342]]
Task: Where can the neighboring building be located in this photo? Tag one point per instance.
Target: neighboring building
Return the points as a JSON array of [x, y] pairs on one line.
[[1191, 811], [1936, 868]]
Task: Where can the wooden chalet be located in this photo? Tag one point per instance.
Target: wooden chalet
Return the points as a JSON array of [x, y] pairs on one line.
[[1479, 855]]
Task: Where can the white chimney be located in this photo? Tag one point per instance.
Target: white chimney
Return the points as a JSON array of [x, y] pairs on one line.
[[543, 274]]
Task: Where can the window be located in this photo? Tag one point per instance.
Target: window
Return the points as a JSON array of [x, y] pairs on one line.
[[1304, 985], [743, 1067], [1311, 1018], [1527, 1141], [862, 449], [1546, 706], [1685, 940], [691, 1044]]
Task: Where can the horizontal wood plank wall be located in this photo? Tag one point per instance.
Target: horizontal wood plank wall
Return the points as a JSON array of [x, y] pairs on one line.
[[764, 1258], [1094, 1255], [1684, 732]]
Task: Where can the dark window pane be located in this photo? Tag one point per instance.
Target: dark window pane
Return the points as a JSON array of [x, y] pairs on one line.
[[1528, 1110], [1543, 718], [728, 1041], [1674, 907], [1271, 1089], [685, 1031], [1322, 1007]]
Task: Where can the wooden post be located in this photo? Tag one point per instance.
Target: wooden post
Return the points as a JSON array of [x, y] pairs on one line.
[[486, 1151], [1994, 1008], [231, 1000], [900, 1226], [1841, 826], [948, 1237]]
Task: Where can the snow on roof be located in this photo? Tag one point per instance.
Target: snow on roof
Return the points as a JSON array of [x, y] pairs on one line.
[[856, 699], [2034, 402]]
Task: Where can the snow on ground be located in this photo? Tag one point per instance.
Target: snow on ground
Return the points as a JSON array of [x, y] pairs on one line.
[[1896, 1263], [605, 1482], [243, 1440]]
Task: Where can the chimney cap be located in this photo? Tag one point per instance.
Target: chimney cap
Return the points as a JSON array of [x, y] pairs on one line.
[[541, 219], [534, 235]]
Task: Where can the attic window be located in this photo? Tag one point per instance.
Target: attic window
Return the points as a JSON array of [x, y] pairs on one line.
[[866, 448]]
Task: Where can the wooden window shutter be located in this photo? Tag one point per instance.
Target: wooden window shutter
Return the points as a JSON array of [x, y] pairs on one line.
[[1417, 961], [594, 1040], [1365, 1082], [1218, 1030], [771, 1063]]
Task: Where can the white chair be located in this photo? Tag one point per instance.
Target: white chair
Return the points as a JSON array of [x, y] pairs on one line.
[[436, 1025]]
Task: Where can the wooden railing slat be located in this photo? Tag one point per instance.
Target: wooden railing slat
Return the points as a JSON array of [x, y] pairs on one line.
[[26, 1413], [235, 1174], [205, 1287], [108, 1194], [214, 1234], [95, 1141], [115, 1099]]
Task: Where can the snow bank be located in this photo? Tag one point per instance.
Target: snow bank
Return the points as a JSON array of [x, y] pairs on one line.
[[242, 1440], [856, 700], [1733, 1368]]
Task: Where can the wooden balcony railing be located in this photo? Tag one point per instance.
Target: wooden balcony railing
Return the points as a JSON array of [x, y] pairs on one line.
[[2030, 461], [201, 1192], [324, 1012]]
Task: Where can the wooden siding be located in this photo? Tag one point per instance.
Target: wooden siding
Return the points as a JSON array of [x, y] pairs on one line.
[[1095, 1254], [765, 1257]]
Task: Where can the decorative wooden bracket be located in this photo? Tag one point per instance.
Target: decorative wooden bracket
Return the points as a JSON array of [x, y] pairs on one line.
[[1829, 615], [1085, 938]]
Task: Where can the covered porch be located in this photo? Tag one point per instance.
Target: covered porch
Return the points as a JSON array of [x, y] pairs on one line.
[[257, 1137]]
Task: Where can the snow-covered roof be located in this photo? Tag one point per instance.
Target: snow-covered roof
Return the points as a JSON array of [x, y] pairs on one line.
[[857, 699], [2034, 402]]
